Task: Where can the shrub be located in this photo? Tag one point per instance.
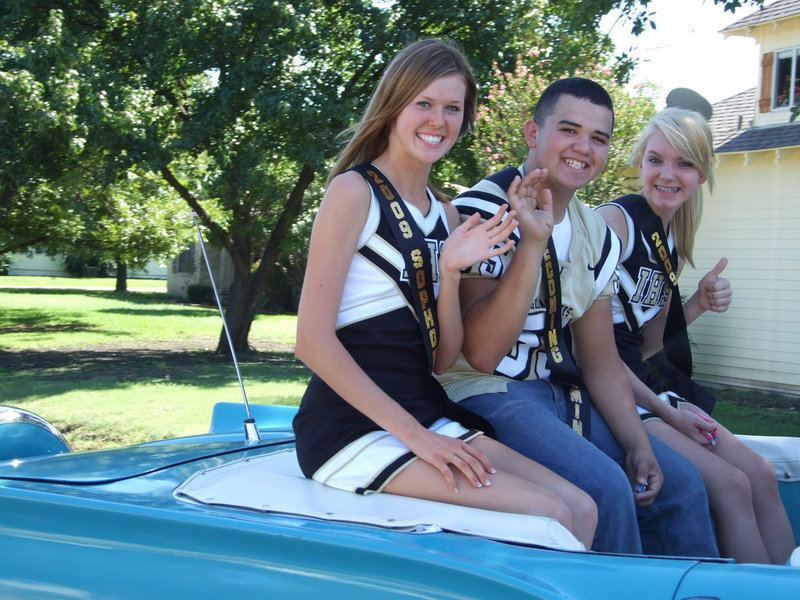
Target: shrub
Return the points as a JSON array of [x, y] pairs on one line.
[[200, 294]]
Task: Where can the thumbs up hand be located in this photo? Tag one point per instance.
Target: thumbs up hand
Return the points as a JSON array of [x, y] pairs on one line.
[[714, 292]]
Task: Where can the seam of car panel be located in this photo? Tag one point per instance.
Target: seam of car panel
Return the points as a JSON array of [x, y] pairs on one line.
[[170, 465], [685, 575]]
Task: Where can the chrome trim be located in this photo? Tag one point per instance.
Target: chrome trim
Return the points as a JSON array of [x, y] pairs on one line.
[[12, 414]]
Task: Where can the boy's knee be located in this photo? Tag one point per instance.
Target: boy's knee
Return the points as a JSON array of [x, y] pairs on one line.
[[612, 488]]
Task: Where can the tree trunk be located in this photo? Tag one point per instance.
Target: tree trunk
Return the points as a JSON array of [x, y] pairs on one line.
[[239, 314], [122, 277], [247, 287]]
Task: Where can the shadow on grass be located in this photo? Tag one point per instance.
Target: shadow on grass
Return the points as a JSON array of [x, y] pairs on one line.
[[18, 320], [137, 297], [43, 373]]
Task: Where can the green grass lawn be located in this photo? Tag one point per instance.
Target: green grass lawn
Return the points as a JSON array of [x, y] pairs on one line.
[[113, 369]]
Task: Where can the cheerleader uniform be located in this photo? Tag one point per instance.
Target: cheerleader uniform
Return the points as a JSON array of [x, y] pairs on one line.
[[643, 292], [336, 443]]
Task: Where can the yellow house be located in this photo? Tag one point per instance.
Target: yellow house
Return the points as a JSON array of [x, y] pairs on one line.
[[753, 218]]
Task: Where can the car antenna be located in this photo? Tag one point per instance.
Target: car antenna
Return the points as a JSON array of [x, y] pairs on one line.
[[251, 434]]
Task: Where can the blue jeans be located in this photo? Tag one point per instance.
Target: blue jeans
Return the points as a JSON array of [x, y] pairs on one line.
[[529, 418]]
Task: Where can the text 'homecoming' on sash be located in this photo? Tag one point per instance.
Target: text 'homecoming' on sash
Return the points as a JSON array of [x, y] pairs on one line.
[[553, 321]]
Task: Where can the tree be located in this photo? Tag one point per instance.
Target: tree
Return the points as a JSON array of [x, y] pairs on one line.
[[500, 140], [40, 145], [56, 190], [255, 91], [134, 221], [234, 103]]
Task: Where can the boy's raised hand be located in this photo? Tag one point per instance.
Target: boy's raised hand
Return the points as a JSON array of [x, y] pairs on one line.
[[534, 205]]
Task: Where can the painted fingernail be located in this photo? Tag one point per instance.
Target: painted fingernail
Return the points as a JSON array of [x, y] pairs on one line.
[[455, 491], [488, 483], [702, 416], [493, 470]]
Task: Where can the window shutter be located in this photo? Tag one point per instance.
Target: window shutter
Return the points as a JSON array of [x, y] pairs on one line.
[[765, 102]]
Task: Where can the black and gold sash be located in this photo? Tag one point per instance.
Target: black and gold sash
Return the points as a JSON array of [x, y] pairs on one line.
[[563, 369], [416, 255], [676, 335]]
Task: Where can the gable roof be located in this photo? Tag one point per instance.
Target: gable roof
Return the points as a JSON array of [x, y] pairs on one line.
[[731, 125], [776, 11], [733, 116], [764, 138]]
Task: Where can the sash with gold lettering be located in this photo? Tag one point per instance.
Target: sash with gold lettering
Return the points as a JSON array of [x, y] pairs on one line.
[[416, 255], [676, 336], [563, 369]]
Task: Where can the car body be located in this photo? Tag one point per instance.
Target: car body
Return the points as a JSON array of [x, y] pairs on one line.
[[219, 516]]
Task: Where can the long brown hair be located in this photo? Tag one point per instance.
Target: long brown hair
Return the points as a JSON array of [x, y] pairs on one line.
[[411, 71]]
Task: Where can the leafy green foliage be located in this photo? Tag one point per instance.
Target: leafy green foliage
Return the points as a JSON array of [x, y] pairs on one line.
[[500, 139], [40, 142], [254, 92], [235, 105]]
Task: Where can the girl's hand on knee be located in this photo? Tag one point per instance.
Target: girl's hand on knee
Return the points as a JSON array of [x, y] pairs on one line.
[[708, 429], [695, 426], [446, 453]]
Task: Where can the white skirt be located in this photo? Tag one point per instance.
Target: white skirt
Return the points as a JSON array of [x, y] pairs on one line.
[[368, 464]]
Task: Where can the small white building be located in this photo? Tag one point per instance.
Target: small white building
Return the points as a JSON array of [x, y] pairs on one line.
[[39, 264], [189, 268], [753, 217]]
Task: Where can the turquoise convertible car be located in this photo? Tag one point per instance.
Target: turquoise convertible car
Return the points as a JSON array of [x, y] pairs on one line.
[[223, 516]]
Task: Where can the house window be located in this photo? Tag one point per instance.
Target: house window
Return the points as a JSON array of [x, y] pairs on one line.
[[184, 263], [787, 78]]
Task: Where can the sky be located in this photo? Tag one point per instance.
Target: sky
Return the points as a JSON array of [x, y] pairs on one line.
[[687, 50]]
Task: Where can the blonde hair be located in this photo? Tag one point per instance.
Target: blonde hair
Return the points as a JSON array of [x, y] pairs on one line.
[[412, 70], [690, 135]]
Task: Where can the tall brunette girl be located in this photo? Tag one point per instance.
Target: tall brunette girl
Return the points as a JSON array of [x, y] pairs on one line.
[[379, 311]]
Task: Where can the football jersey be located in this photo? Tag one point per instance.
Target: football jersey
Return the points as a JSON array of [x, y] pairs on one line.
[[587, 257]]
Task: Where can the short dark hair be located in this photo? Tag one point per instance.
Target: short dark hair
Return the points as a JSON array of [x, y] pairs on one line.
[[580, 87]]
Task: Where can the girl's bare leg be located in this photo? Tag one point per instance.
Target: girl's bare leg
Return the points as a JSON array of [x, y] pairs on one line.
[[519, 486], [729, 494], [771, 517]]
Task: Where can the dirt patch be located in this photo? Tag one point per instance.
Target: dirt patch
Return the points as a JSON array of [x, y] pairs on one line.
[[160, 360], [180, 358]]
